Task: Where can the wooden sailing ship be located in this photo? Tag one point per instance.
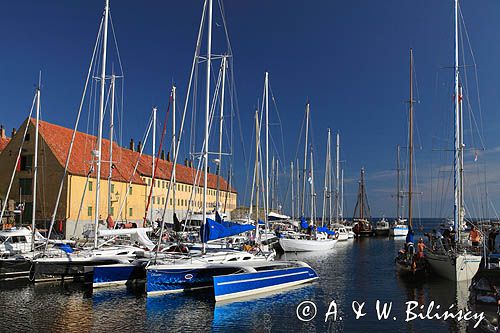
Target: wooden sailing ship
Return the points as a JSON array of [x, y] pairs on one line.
[[362, 227]]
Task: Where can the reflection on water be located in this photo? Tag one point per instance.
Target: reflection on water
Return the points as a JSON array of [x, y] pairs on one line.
[[357, 270]]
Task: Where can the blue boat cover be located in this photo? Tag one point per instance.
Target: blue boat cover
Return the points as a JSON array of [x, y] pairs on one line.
[[325, 229], [261, 222], [216, 230], [303, 223], [65, 247]]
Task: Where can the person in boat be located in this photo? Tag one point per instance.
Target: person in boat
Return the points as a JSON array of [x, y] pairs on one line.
[[110, 223], [475, 236], [410, 236], [421, 247]]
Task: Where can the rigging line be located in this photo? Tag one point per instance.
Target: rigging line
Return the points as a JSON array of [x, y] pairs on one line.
[[18, 158], [156, 158], [466, 93], [61, 184], [197, 174], [280, 125], [223, 16], [129, 185], [116, 44], [186, 102], [475, 69]]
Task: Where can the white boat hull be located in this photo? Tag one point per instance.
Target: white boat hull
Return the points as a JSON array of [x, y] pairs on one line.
[[306, 245], [461, 268], [398, 232], [343, 237]]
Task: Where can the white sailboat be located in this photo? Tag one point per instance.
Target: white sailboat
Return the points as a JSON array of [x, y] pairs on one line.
[[319, 239], [456, 264]]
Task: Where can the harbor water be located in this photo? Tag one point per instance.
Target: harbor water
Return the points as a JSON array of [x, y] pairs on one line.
[[360, 271]]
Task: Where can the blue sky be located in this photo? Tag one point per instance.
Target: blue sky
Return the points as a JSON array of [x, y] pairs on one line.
[[349, 58]]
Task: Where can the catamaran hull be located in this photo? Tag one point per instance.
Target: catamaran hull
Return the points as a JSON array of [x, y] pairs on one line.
[[118, 275], [240, 285], [463, 267], [306, 245], [160, 281]]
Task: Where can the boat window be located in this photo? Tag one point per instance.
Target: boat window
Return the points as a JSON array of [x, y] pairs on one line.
[[121, 253], [247, 258], [232, 259], [3, 239], [16, 239]]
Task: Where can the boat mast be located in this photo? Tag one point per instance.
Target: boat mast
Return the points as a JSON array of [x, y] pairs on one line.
[[297, 196], [410, 148], [313, 217], [266, 90], [342, 195], [153, 180], [221, 120], [273, 184], [305, 162], [173, 147], [326, 187], [362, 194], [111, 130], [398, 186], [101, 116], [457, 209], [257, 172], [35, 167], [207, 115], [293, 193], [337, 167]]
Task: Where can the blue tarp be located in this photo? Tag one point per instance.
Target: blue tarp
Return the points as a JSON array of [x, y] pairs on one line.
[[303, 223], [325, 229], [261, 222], [216, 230], [66, 248]]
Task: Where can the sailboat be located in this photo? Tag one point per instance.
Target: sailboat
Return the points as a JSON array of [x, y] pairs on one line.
[[235, 276], [362, 227], [73, 263], [316, 239], [457, 264], [407, 262], [399, 227]]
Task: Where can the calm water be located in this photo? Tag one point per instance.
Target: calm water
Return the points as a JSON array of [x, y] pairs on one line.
[[361, 270]]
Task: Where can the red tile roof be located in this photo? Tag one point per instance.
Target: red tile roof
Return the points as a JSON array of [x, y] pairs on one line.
[[3, 143], [58, 139]]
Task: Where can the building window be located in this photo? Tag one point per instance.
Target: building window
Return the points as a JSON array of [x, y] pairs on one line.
[[25, 186], [112, 211], [162, 201], [26, 163], [130, 190], [89, 211], [170, 201], [90, 186], [130, 212], [112, 188]]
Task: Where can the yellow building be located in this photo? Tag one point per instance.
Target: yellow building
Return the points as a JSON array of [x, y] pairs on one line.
[[129, 190]]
